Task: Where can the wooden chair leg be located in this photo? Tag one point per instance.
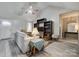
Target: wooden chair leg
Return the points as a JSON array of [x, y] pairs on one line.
[[34, 51]]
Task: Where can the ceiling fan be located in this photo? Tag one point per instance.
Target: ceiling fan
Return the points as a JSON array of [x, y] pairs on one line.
[[29, 8]]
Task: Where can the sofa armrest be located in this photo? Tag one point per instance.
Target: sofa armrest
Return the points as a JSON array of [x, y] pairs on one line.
[[21, 42]]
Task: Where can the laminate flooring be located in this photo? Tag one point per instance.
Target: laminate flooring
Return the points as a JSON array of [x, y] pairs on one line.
[[62, 48]]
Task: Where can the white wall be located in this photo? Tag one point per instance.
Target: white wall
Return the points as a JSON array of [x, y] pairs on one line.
[[6, 31], [52, 13]]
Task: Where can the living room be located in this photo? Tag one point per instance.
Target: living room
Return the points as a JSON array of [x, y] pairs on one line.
[[39, 29]]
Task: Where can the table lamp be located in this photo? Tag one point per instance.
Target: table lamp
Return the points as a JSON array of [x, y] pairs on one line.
[[35, 32]]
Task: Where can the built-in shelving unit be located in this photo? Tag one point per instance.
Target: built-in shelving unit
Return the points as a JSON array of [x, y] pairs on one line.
[[46, 27], [48, 31]]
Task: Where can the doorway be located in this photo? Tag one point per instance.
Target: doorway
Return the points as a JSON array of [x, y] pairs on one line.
[[69, 26]]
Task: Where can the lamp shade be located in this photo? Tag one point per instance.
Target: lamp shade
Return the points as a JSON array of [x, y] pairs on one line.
[[29, 27], [35, 31]]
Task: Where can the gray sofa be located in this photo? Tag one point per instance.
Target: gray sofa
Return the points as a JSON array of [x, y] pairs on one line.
[[22, 42]]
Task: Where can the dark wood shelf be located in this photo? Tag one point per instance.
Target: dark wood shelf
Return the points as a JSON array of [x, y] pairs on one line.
[[47, 28]]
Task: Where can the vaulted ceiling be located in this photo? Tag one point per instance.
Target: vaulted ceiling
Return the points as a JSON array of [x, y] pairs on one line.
[[13, 10]]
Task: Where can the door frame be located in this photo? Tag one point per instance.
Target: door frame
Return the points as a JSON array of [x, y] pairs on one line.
[[60, 25]]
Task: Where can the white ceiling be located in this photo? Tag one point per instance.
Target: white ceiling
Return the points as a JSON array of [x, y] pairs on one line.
[[14, 9], [65, 5]]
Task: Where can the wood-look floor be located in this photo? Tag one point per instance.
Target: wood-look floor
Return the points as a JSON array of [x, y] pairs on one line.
[[61, 48]]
